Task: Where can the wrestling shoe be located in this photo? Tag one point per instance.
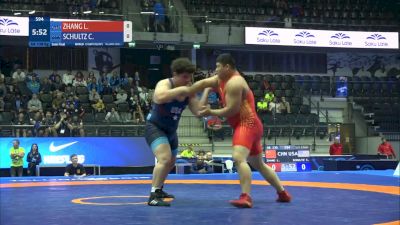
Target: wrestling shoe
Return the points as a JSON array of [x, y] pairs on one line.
[[156, 200], [283, 196], [244, 201], [164, 194]]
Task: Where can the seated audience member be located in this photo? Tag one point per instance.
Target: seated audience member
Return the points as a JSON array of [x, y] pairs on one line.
[[284, 106], [188, 153], [99, 106], [2, 104], [94, 96], [22, 132], [121, 96], [386, 149], [113, 116], [273, 106], [75, 168], [34, 105], [76, 127], [48, 122], [336, 148], [262, 105], [200, 166], [34, 158], [138, 115]]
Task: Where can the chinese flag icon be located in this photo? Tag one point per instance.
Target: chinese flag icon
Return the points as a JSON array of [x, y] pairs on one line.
[[270, 154]]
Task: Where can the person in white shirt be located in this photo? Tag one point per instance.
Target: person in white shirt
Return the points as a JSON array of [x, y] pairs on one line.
[[67, 78], [121, 96], [18, 76]]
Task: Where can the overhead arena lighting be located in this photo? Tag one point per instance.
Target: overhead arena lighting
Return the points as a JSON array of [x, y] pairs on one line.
[[101, 12], [31, 12], [17, 13], [87, 12], [147, 13]]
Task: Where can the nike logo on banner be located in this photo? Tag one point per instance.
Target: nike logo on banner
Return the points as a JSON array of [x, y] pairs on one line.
[[60, 147]]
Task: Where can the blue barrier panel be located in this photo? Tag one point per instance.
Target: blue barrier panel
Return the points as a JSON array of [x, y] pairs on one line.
[[103, 151]]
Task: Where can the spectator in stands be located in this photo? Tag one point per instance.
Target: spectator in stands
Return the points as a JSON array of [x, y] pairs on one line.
[[188, 153], [3, 89], [53, 75], [71, 104], [137, 78], [75, 168], [2, 104], [288, 21], [48, 122], [34, 158], [58, 84], [21, 120], [138, 114], [386, 149], [58, 101], [269, 96], [124, 81], [68, 78], [63, 127], [18, 76], [35, 105], [30, 74], [105, 88], [114, 81], [121, 96], [262, 106], [284, 106], [99, 106], [76, 127], [46, 87], [17, 154], [92, 84], [200, 166], [113, 116], [69, 91], [19, 103], [79, 80], [94, 96], [336, 148], [273, 106], [38, 130], [34, 85], [208, 159], [159, 20]]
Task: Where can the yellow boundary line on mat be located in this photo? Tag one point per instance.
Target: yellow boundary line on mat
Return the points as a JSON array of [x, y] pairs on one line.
[[392, 190]]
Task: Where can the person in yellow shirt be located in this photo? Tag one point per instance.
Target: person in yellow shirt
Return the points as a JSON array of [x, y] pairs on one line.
[[188, 153], [17, 155]]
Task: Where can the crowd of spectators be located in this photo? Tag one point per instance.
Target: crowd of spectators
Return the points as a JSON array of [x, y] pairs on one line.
[[61, 104]]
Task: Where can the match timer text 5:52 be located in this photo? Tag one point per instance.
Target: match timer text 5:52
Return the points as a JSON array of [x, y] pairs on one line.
[[39, 32]]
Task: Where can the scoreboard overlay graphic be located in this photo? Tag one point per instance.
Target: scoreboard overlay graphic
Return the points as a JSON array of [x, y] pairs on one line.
[[46, 32], [288, 158]]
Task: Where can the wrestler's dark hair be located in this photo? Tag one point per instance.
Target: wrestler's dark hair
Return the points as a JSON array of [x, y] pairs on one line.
[[226, 59], [182, 65]]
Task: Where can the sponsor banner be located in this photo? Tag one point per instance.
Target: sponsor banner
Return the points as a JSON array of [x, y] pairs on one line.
[[14, 26], [115, 151], [321, 38]]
